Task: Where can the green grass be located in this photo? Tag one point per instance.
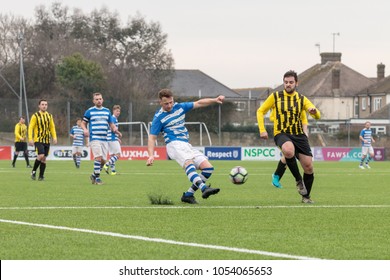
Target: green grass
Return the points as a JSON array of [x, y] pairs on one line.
[[350, 219]]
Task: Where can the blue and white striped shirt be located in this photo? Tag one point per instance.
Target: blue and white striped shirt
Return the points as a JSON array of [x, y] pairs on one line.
[[99, 120], [366, 134], [111, 136], [172, 123], [78, 132]]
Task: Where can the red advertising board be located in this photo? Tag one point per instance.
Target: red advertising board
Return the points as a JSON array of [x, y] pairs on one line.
[[141, 153], [5, 152]]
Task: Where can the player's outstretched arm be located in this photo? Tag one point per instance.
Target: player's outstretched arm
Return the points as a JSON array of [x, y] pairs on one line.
[[204, 102]]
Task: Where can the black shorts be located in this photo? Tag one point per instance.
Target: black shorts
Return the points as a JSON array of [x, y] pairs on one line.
[[20, 146], [42, 148], [300, 142]]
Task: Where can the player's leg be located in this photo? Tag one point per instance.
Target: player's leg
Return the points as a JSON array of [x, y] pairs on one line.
[[42, 166], [74, 155], [279, 172], [115, 152], [182, 153], [40, 151], [112, 163], [203, 164], [25, 153], [284, 141], [16, 153], [78, 159], [308, 175], [369, 157], [305, 157], [364, 155], [99, 150], [206, 171]]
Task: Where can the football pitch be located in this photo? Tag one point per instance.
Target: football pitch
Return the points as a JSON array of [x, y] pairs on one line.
[[65, 217]]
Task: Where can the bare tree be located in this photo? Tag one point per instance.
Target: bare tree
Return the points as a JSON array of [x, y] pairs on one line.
[[133, 58]]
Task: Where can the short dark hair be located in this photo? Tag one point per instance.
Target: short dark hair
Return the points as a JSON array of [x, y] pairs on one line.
[[165, 93], [40, 101], [291, 73]]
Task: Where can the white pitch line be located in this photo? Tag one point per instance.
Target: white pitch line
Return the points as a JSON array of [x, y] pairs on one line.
[[191, 207], [166, 241]]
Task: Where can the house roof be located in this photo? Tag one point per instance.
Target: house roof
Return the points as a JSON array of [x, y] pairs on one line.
[[195, 83], [382, 113], [317, 81], [254, 93], [383, 86]]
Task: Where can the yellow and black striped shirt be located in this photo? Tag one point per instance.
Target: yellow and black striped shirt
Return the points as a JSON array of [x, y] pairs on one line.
[[42, 127], [20, 132], [288, 109]]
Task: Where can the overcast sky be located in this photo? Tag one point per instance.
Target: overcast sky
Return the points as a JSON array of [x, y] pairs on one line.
[[251, 43]]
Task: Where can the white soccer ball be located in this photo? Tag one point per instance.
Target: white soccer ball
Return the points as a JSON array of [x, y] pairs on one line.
[[238, 175]]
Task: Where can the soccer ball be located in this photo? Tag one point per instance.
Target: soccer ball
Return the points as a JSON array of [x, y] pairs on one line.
[[238, 175]]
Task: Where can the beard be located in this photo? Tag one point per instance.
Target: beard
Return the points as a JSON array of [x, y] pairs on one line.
[[290, 90]]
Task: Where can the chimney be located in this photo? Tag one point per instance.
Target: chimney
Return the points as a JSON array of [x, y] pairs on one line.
[[380, 72], [335, 78], [327, 57]]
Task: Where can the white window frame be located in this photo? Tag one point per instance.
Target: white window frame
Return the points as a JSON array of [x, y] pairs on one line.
[[240, 106], [356, 108], [377, 103]]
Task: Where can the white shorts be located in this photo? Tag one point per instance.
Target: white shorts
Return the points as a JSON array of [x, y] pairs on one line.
[[183, 151], [77, 149], [114, 147], [366, 150], [99, 149]]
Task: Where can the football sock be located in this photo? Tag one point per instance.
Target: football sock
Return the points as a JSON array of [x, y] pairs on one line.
[[293, 166], [26, 157], [78, 160], [361, 161], [112, 160], [42, 168], [96, 167], [15, 157], [194, 178], [112, 166], [206, 173], [36, 165], [280, 169], [368, 159], [308, 181]]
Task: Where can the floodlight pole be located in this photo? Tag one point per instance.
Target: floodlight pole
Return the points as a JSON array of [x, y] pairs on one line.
[[319, 47], [22, 82], [20, 39], [334, 40]]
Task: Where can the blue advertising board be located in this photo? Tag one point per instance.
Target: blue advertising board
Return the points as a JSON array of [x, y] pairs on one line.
[[223, 153]]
